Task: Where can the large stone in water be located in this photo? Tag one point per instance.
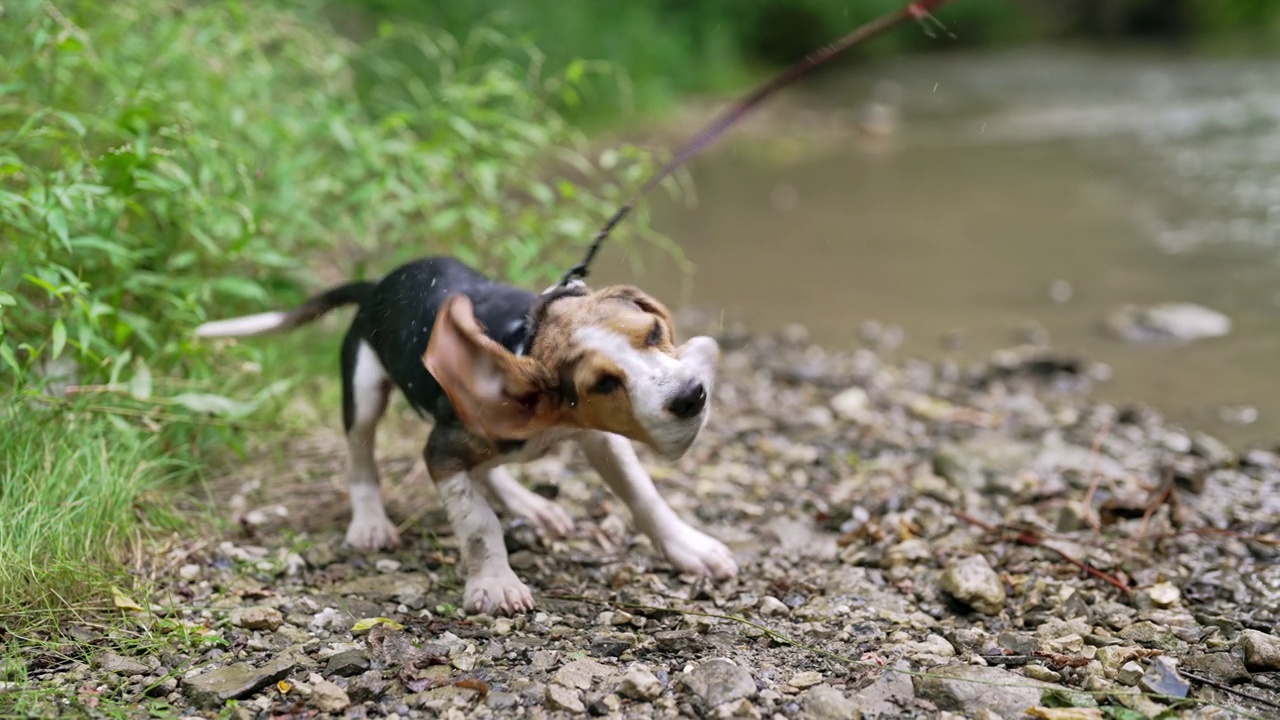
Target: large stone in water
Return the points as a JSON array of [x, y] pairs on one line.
[[1167, 323]]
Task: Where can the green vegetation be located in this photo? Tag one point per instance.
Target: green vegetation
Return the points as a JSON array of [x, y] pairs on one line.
[[76, 486], [162, 163], [670, 49]]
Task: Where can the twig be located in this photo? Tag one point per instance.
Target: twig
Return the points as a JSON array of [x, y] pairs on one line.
[[1033, 540], [1159, 498], [1095, 477], [1229, 690]]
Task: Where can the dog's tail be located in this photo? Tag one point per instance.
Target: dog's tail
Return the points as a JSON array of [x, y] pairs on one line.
[[280, 321]]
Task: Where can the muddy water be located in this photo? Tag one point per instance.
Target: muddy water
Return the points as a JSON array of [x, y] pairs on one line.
[[1127, 177]]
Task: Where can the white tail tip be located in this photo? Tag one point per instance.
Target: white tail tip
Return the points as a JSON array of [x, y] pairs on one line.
[[246, 326]]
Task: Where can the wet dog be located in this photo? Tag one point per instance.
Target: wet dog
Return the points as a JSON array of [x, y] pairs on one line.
[[507, 374]]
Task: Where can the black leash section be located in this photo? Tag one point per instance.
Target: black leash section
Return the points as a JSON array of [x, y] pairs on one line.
[[916, 10]]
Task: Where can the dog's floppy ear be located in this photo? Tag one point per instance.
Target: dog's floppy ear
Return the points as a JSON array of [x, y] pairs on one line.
[[496, 393]]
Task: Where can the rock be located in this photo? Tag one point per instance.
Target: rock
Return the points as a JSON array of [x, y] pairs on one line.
[[824, 702], [580, 673], [328, 697], [1225, 667], [970, 688], [213, 689], [257, 618], [771, 606], [1130, 673], [113, 663], [367, 686], [640, 684], [889, 695], [560, 697], [1162, 678], [972, 582], [386, 587], [851, 404], [1261, 650], [718, 681], [982, 462], [1040, 672], [1164, 594], [677, 641], [349, 663], [1167, 323], [803, 680], [1148, 634]]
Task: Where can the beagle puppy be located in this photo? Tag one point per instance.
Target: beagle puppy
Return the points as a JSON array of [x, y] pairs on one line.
[[506, 375]]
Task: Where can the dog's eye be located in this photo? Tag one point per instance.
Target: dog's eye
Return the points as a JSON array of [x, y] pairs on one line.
[[655, 334], [606, 384]]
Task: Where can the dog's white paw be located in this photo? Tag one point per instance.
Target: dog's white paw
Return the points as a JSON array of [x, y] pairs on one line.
[[697, 553], [496, 592], [373, 532], [546, 516]]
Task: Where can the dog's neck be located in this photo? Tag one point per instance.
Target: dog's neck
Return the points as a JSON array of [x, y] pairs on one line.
[[533, 321]]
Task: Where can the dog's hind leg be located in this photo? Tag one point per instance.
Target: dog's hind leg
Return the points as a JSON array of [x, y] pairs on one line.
[[547, 517], [365, 390]]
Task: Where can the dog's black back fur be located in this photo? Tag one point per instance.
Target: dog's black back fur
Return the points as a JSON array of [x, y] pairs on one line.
[[396, 316]]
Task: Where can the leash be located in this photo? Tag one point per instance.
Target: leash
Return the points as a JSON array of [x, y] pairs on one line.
[[918, 10]]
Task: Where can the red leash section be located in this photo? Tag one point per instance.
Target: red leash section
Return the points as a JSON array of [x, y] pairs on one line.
[[919, 11]]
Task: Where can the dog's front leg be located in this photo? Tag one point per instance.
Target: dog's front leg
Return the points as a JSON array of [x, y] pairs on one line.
[[689, 549], [491, 585]]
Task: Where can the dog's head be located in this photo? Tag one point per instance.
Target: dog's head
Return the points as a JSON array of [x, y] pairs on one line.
[[603, 360]]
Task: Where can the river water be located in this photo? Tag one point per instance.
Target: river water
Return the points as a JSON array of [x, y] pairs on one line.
[[1019, 188]]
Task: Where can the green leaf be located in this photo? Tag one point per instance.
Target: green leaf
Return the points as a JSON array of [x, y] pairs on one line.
[[366, 624], [240, 287], [57, 221], [1117, 712], [6, 354], [59, 338], [7, 299]]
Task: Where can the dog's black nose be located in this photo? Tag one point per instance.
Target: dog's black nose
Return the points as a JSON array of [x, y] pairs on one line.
[[690, 401]]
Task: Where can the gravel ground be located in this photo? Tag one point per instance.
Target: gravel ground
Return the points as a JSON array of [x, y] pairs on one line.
[[914, 541]]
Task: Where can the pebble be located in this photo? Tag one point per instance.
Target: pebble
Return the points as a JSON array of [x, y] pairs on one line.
[[328, 697], [771, 606], [565, 698], [1130, 673], [640, 684], [823, 702], [113, 663], [349, 663], [806, 679], [257, 618], [973, 582], [1164, 594], [1261, 650], [233, 682], [1162, 678], [718, 681]]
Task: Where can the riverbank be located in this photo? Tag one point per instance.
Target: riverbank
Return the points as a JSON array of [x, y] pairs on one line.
[[912, 538]]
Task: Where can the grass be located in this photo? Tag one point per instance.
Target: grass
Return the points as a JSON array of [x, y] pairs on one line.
[[77, 490]]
